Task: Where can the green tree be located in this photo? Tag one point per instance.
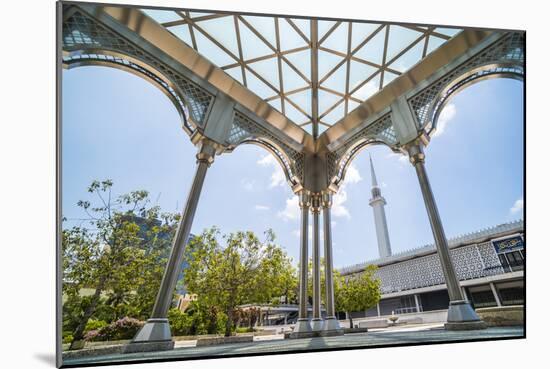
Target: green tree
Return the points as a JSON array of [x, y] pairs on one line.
[[357, 292], [120, 261], [243, 271]]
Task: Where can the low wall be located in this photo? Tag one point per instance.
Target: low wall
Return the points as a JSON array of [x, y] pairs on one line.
[[436, 316], [502, 315], [223, 340]]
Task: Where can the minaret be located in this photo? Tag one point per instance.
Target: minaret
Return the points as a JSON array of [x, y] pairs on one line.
[[377, 202]]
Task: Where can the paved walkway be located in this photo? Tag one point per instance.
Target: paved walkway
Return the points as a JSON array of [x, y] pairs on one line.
[[396, 336]]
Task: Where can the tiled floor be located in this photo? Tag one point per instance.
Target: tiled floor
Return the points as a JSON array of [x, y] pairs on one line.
[[379, 338]]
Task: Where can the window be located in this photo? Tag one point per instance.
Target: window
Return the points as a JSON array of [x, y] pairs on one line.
[[512, 261], [483, 299]]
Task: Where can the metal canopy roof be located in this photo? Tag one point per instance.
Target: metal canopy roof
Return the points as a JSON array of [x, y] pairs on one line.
[[313, 71]]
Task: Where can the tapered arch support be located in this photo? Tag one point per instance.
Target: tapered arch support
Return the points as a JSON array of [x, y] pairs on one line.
[[287, 164], [344, 163], [125, 63], [244, 130], [503, 58], [479, 74], [379, 132]]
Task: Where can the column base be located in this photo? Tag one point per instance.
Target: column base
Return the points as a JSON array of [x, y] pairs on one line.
[[316, 324], [332, 324], [461, 311], [302, 326], [155, 335], [151, 346]]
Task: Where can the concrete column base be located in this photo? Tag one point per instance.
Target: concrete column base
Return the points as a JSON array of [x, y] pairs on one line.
[[461, 317], [302, 326], [148, 346], [155, 335], [316, 324], [461, 311], [331, 324]]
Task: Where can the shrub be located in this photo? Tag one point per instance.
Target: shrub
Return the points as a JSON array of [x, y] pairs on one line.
[[94, 324], [67, 337], [180, 323], [124, 328], [244, 329]]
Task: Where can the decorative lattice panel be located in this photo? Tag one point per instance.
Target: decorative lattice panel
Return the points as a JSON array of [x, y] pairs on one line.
[[508, 50], [81, 32], [245, 129], [381, 130], [490, 259], [471, 261]]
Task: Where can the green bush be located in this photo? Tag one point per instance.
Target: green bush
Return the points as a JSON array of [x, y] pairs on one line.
[[180, 323], [67, 337], [122, 329], [244, 329], [94, 324]]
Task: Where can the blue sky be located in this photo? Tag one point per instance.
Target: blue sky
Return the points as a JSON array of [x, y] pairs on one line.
[[118, 126]]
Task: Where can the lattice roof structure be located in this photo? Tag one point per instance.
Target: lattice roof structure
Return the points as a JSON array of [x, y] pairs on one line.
[[289, 61], [307, 89]]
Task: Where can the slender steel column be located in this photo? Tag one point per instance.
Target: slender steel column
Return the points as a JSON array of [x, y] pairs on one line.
[[459, 310], [331, 323], [157, 329], [302, 325], [316, 322]]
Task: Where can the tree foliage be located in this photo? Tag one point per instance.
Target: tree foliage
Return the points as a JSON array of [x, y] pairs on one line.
[[117, 253], [357, 292], [243, 271]]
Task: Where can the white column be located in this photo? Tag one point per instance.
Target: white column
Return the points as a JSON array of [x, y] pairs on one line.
[[495, 294], [417, 303]]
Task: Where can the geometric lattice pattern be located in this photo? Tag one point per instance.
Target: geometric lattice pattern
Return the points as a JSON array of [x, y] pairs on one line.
[[246, 130], [426, 271], [509, 52], [83, 33], [272, 56], [471, 261]]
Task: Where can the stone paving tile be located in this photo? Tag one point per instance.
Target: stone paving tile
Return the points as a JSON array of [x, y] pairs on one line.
[[351, 340]]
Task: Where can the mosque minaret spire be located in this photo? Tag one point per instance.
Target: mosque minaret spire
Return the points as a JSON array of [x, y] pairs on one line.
[[378, 202]]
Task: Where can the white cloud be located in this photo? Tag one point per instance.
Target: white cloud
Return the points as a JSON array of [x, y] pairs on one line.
[[278, 177], [402, 158], [352, 175], [291, 210], [261, 207], [446, 115], [248, 184], [517, 207], [338, 208]]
